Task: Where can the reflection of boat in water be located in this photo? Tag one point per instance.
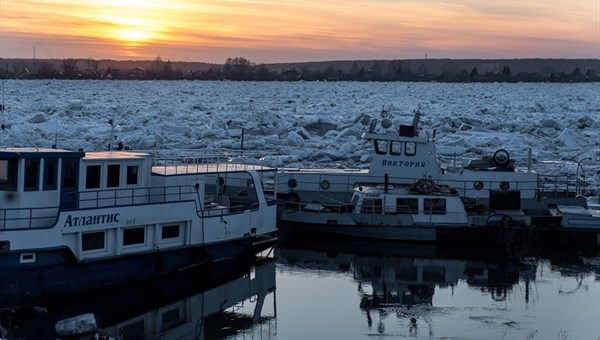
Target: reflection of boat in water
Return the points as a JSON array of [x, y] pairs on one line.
[[392, 274], [202, 303], [73, 221]]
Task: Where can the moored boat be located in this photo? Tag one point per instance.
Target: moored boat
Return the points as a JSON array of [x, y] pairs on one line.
[[408, 154], [72, 221], [425, 211]]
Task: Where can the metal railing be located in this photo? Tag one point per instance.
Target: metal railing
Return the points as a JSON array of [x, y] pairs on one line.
[[28, 218], [129, 196], [365, 210], [218, 160], [545, 185], [46, 217]]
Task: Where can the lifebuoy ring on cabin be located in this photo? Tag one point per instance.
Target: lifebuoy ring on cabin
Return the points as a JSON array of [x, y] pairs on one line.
[[501, 158], [425, 185]]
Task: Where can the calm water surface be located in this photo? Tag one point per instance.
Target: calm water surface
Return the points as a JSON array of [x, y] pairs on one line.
[[349, 290]]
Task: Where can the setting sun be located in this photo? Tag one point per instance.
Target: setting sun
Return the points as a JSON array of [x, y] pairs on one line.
[[131, 30], [272, 31]]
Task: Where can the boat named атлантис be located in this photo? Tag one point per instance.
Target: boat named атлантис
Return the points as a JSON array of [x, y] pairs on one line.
[[72, 221]]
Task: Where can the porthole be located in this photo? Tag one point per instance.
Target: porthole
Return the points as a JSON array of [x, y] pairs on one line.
[[504, 185], [291, 183], [325, 184], [478, 185]]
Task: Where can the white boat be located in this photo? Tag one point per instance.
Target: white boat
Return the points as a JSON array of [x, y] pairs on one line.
[[409, 154], [427, 212], [74, 220]]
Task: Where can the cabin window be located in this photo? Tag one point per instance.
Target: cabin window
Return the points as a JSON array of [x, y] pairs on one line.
[[410, 148], [92, 177], [32, 174], [371, 206], [396, 148], [93, 241], [132, 174], [113, 175], [381, 146], [407, 205], [434, 206], [50, 173], [132, 236], [69, 174], [8, 174], [170, 232]]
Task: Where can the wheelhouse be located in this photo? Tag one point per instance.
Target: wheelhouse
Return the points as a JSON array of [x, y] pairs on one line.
[[32, 182], [405, 155]]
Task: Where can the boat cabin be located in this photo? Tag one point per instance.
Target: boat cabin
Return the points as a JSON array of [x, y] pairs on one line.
[[434, 207], [404, 155], [36, 182]]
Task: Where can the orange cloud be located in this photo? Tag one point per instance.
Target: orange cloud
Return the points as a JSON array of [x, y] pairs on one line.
[[187, 30]]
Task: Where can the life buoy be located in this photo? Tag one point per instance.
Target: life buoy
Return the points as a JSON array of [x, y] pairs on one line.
[[425, 186], [501, 158]]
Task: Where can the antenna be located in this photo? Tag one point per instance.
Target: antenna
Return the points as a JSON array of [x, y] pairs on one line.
[[111, 122], [55, 136], [2, 126]]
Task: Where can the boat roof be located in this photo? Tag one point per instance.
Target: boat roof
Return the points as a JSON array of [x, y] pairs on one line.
[[105, 155], [32, 152]]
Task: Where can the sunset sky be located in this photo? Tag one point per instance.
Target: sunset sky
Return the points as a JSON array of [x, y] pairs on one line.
[[267, 31]]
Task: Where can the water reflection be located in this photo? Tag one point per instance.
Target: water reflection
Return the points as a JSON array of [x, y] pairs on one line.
[[393, 273], [348, 289], [402, 281], [224, 300]]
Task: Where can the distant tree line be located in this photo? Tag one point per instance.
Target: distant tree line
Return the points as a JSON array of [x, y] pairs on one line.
[[241, 69]]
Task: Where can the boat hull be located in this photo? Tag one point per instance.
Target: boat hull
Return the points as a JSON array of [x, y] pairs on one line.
[[519, 238], [29, 285]]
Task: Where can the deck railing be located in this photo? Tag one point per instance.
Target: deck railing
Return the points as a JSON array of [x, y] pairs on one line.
[[46, 217], [29, 218], [544, 186], [365, 210], [217, 160]]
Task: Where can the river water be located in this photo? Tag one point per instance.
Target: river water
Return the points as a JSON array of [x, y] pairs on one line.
[[348, 290]]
